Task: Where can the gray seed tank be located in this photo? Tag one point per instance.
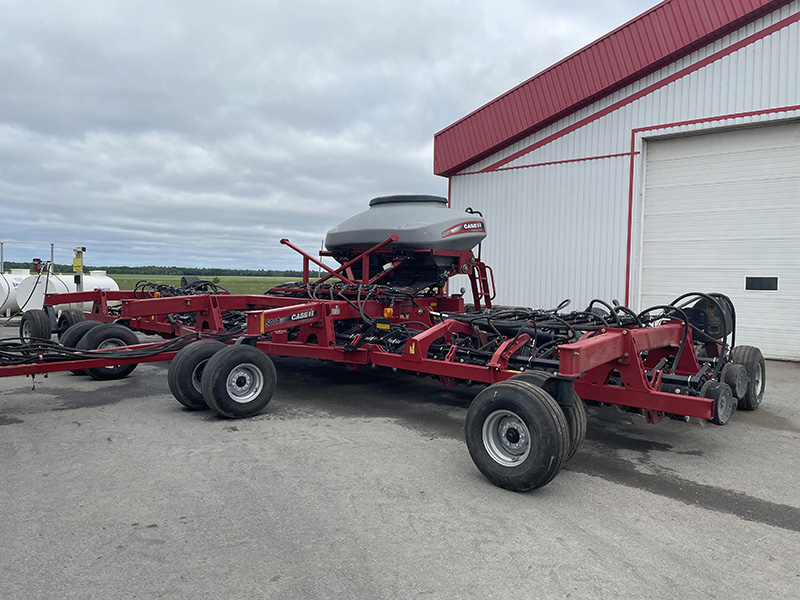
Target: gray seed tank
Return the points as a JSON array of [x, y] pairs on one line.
[[421, 223]]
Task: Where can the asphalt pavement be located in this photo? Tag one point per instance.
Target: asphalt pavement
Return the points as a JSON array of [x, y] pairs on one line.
[[358, 484]]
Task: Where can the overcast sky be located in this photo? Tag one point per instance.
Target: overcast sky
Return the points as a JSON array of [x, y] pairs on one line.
[[197, 133]]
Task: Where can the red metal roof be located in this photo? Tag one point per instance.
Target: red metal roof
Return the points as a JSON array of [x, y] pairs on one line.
[[655, 38]]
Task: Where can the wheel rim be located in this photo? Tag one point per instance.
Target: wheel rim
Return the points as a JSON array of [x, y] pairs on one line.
[[197, 376], [112, 343], [506, 438], [759, 377], [244, 383], [726, 405], [741, 383], [26, 330]]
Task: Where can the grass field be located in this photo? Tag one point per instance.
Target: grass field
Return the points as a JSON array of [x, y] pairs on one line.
[[235, 284]]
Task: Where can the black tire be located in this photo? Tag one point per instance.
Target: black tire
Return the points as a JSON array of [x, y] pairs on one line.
[[517, 435], [724, 402], [575, 413], [109, 335], [238, 381], [68, 318], [72, 337], [186, 370], [752, 360], [735, 375], [35, 324]]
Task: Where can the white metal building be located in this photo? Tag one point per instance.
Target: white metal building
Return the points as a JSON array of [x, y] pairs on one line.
[[660, 159]]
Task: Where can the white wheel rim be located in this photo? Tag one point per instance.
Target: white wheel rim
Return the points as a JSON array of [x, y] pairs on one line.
[[244, 383], [506, 438]]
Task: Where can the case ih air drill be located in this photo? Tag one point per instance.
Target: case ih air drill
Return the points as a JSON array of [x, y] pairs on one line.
[[387, 305]]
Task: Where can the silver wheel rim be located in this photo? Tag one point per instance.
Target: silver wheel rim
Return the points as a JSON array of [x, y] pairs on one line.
[[759, 379], [506, 438], [197, 376], [26, 331], [726, 406], [244, 383], [112, 343]]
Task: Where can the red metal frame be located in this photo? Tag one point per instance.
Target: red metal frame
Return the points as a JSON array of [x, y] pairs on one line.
[[606, 366]]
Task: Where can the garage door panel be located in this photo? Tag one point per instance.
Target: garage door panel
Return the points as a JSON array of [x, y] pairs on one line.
[[702, 187], [731, 169], [720, 207], [785, 135]]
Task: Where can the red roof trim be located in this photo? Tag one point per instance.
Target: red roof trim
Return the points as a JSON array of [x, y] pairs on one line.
[[664, 33], [759, 35]]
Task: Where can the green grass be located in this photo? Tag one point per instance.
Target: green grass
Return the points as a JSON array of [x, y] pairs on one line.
[[235, 284]]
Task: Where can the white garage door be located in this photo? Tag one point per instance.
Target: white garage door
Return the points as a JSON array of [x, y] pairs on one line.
[[722, 214]]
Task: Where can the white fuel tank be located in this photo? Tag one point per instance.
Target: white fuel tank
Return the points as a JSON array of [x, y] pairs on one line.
[[32, 289], [9, 284], [98, 280]]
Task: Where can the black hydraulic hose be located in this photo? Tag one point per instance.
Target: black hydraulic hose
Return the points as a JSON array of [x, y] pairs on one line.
[[630, 313], [592, 317], [733, 315], [610, 308], [350, 302], [693, 296], [35, 285], [533, 333], [686, 325], [562, 321], [361, 304]]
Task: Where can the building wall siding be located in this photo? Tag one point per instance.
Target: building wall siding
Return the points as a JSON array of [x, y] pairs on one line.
[[561, 230]]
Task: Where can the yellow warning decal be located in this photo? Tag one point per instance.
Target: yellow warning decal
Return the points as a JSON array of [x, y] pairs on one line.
[[412, 348], [382, 325]]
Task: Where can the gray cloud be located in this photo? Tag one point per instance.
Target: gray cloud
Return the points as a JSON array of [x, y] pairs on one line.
[[199, 134]]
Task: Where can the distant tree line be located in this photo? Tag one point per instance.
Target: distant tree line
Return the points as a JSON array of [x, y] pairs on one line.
[[154, 270]]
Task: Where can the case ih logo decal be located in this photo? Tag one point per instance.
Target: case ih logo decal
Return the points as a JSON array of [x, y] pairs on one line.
[[303, 315], [299, 316], [466, 227]]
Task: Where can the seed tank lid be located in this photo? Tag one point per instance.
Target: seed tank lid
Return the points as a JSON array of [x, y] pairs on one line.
[[406, 198]]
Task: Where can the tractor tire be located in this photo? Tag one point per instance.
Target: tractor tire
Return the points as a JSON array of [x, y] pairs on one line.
[[517, 435], [752, 360], [575, 414], [724, 402], [109, 335], [72, 336], [186, 371], [35, 325], [238, 381], [68, 318]]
